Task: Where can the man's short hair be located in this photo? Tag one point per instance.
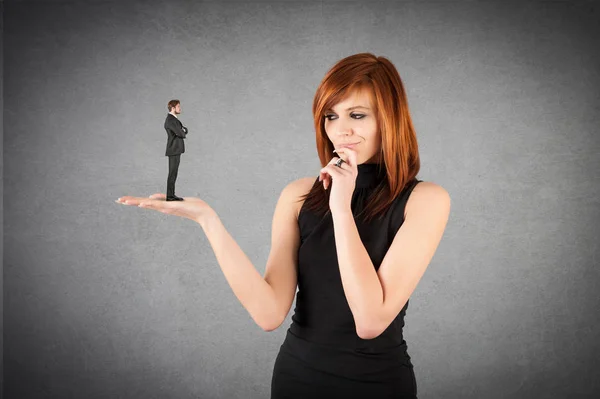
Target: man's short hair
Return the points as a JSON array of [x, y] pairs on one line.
[[172, 104]]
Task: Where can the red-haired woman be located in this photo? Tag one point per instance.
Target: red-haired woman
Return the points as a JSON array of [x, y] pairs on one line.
[[355, 242]]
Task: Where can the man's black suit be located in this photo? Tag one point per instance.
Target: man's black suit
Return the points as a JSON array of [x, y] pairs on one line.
[[176, 132]]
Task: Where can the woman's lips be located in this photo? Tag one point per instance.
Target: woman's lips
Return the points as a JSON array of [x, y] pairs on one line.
[[350, 145]]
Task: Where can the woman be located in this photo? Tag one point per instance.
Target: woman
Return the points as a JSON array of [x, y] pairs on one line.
[[355, 242]]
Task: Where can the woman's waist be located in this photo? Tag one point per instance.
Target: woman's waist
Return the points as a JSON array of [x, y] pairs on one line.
[[346, 357], [343, 335]]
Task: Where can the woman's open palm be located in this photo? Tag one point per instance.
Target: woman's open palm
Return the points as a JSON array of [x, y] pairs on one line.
[[191, 208]]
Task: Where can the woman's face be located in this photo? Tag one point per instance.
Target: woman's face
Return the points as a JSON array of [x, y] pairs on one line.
[[352, 123]]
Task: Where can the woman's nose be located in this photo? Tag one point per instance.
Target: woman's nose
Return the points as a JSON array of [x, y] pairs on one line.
[[344, 129]]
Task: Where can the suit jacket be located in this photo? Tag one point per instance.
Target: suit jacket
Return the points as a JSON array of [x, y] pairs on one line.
[[176, 132]]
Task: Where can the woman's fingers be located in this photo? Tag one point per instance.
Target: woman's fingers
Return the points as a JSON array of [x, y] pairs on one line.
[[334, 171], [147, 201], [192, 208], [324, 174], [331, 171], [332, 166], [130, 200], [348, 155]]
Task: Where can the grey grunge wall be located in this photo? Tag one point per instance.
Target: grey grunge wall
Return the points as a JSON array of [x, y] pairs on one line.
[[107, 301]]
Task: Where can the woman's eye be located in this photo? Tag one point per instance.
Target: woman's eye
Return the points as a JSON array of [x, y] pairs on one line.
[[331, 117]]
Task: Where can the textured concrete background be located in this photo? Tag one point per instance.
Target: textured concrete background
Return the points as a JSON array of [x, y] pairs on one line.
[[107, 301]]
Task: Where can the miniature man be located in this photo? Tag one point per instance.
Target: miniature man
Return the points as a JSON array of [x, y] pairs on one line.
[[176, 132]]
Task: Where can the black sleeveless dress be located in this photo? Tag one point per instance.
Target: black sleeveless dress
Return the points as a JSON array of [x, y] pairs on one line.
[[322, 356]]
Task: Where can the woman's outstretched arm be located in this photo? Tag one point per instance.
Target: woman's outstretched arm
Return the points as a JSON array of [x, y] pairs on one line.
[[268, 299]]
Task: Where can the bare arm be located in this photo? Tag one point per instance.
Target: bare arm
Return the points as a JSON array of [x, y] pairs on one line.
[[268, 299], [376, 298]]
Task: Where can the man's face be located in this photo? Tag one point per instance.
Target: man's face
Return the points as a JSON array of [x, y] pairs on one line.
[[177, 109]]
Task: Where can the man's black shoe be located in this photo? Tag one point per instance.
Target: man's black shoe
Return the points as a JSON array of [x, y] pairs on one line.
[[174, 198]]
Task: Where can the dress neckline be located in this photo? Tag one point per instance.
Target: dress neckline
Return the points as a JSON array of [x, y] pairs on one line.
[[369, 175]]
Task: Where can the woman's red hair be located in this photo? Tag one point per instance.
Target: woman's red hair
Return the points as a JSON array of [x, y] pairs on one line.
[[399, 152]]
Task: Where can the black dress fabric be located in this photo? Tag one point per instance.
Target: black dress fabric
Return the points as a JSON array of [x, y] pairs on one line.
[[322, 356]]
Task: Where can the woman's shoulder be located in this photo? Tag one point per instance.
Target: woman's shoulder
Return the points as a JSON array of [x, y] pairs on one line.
[[296, 189], [300, 187], [429, 190], [425, 196], [416, 196]]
